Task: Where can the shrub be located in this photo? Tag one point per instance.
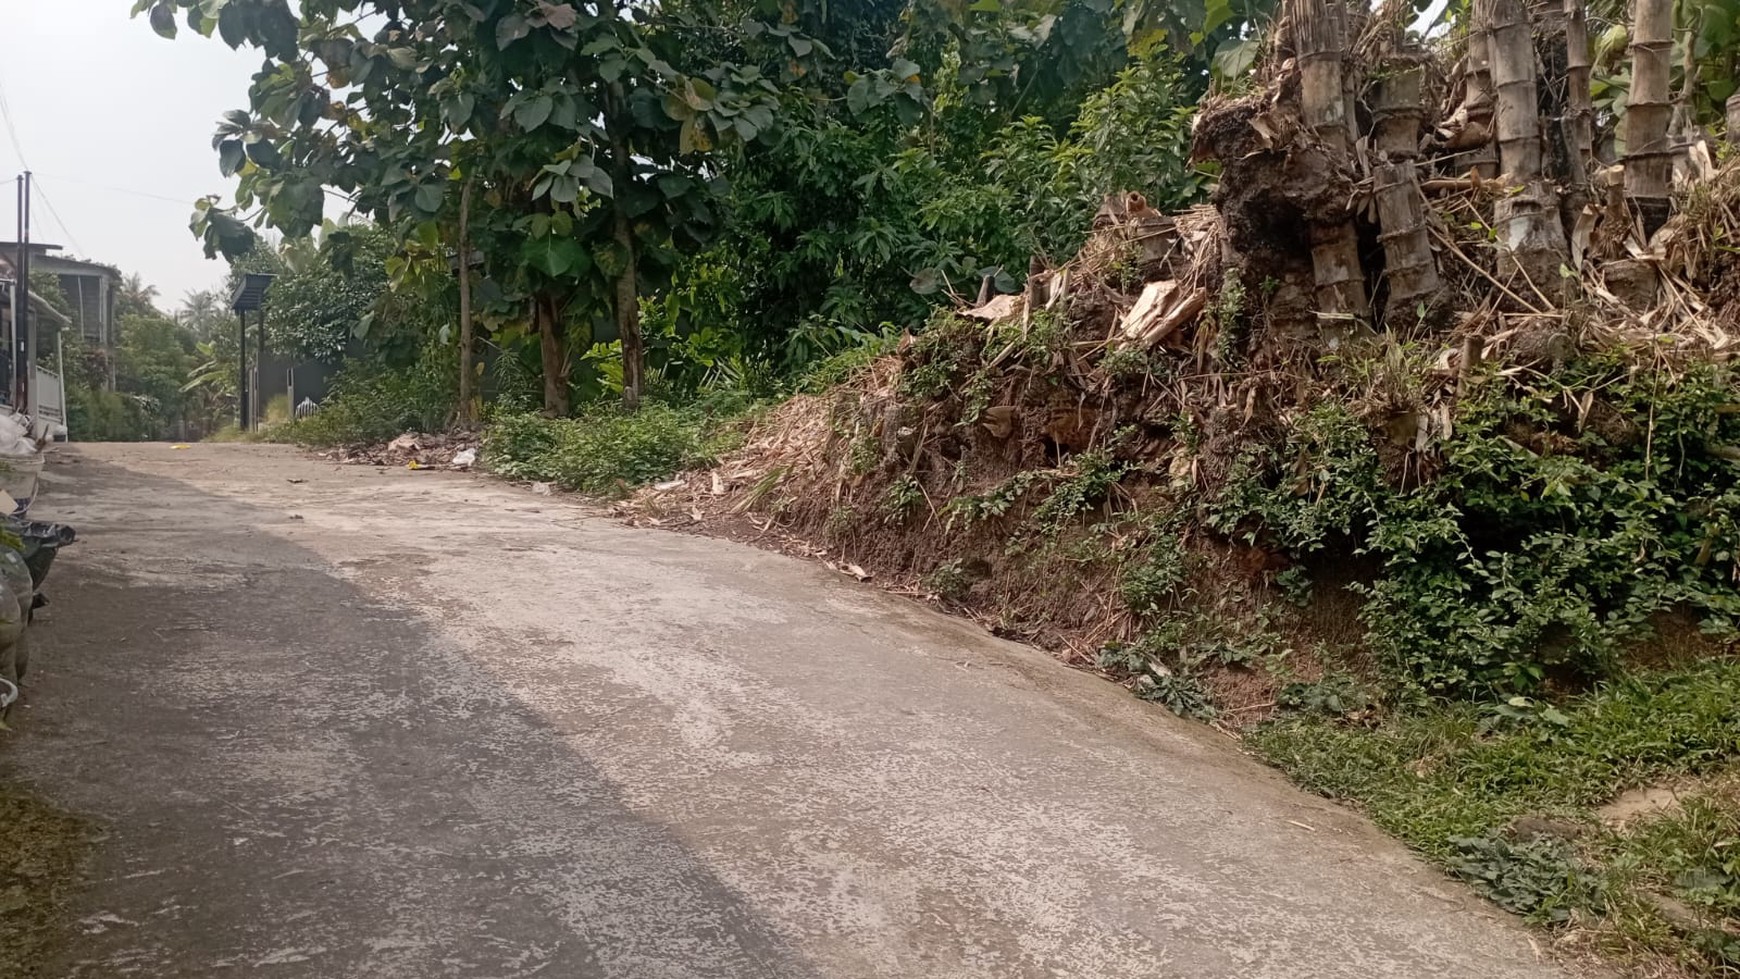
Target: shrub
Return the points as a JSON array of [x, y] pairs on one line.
[[605, 450], [1149, 583], [1541, 548], [373, 404]]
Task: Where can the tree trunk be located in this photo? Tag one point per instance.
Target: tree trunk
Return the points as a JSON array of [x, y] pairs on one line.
[[1531, 233], [1684, 126], [1320, 29], [1475, 134], [1398, 108], [547, 313], [1398, 112], [1409, 266], [627, 298], [1354, 17], [628, 316], [1734, 119], [1649, 158], [1577, 126], [467, 414]]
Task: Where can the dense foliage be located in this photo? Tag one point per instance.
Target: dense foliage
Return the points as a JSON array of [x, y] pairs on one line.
[[682, 198], [768, 183], [1546, 544]]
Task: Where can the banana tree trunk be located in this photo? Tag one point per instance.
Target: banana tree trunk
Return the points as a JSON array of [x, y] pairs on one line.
[[1320, 29], [1531, 232], [1649, 157]]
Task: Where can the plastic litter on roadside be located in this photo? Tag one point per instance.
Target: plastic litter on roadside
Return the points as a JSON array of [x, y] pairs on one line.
[[20, 463]]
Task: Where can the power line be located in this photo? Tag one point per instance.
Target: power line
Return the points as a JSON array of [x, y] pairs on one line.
[[18, 147], [183, 201], [71, 239], [6, 113], [121, 190]]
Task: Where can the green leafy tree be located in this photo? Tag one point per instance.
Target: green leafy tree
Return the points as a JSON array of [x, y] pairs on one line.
[[151, 366], [856, 219], [587, 145], [210, 383]]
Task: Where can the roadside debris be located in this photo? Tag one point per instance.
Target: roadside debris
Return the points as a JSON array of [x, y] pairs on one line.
[[414, 451]]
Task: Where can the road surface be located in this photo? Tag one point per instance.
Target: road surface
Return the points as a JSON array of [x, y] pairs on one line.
[[346, 722]]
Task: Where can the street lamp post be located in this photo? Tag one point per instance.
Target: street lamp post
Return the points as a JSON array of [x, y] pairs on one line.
[[250, 297]]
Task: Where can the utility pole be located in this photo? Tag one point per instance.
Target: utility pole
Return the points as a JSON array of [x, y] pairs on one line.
[[242, 392], [249, 297], [17, 298], [260, 368], [23, 329], [28, 401]]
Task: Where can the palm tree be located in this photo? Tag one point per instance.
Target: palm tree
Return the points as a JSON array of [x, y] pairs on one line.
[[203, 313], [137, 296]]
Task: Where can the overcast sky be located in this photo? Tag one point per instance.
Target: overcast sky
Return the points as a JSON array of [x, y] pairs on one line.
[[116, 122]]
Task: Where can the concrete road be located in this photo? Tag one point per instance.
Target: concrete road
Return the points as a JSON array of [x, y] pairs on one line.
[[352, 723]]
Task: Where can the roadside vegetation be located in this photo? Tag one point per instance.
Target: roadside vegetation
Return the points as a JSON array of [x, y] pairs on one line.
[[143, 390], [1052, 311], [41, 852]]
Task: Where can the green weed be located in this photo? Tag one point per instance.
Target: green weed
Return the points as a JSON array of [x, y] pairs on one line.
[[948, 580], [1150, 581], [902, 498], [604, 451]]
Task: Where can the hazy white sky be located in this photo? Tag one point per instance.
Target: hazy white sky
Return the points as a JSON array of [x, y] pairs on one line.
[[116, 122]]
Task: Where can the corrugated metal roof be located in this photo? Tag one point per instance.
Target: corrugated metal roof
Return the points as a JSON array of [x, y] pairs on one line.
[[251, 294]]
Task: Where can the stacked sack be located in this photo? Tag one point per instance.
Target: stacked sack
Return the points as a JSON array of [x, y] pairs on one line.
[[20, 472]]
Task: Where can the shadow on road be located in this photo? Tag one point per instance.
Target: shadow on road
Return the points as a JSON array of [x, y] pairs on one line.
[[294, 774]]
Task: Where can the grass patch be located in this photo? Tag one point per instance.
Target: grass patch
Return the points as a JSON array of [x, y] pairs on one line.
[[607, 451], [1467, 784], [374, 405], [1673, 882], [41, 849]]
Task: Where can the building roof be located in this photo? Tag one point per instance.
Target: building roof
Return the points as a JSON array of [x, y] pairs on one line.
[[58, 264], [250, 295], [42, 309]]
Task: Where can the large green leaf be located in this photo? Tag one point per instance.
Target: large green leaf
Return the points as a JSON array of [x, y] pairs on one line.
[[639, 199], [263, 154], [555, 257], [458, 110], [231, 157], [858, 96], [1234, 59], [509, 29], [163, 19], [534, 112], [428, 197], [594, 177], [561, 16], [565, 113]]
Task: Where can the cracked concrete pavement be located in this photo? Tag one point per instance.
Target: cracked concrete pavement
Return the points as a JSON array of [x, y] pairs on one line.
[[347, 722]]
